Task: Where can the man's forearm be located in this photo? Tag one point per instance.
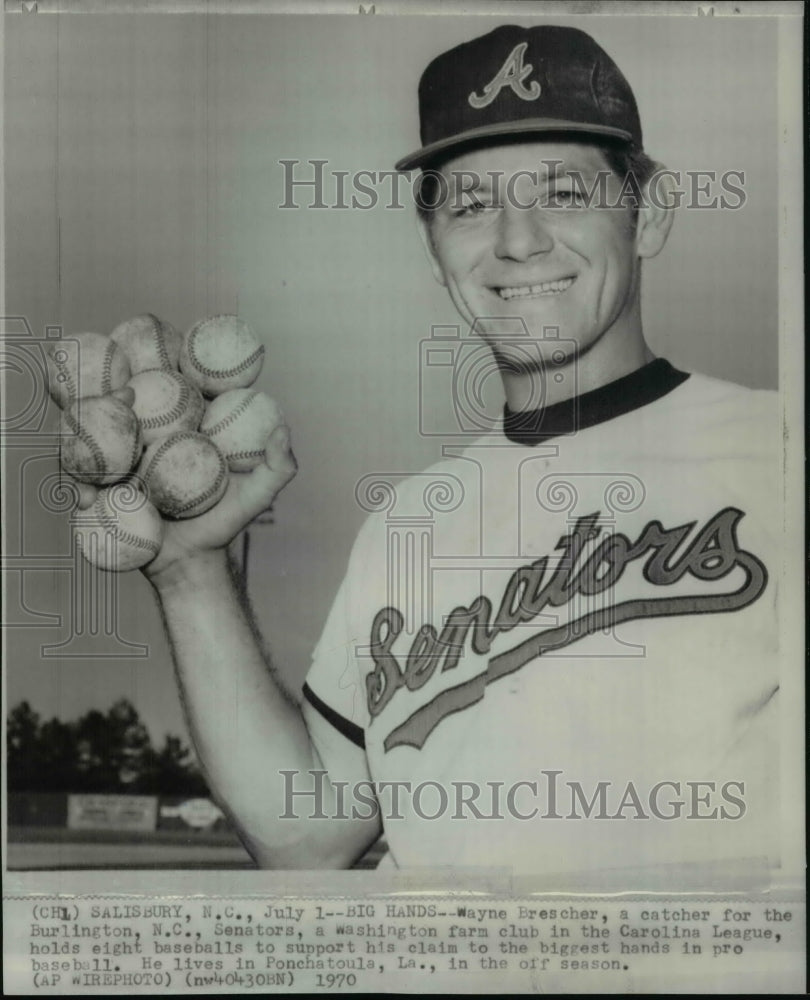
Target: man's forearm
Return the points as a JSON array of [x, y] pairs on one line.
[[243, 725]]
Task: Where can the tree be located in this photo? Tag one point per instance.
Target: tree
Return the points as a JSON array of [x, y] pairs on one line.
[[98, 753], [23, 747], [57, 753], [175, 771]]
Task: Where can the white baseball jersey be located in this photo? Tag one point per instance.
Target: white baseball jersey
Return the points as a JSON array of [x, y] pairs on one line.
[[574, 615]]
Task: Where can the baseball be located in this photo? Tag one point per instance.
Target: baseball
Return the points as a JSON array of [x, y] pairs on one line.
[[221, 353], [121, 531], [85, 364], [164, 403], [239, 423], [183, 474], [148, 342], [99, 439]]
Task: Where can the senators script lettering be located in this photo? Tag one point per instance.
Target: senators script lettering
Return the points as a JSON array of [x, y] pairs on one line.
[[711, 556]]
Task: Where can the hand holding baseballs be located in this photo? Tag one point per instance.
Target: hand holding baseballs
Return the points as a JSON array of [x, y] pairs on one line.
[[207, 468]]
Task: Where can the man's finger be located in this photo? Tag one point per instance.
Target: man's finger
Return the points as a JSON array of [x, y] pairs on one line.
[[126, 395], [255, 491], [87, 495], [278, 454], [83, 495]]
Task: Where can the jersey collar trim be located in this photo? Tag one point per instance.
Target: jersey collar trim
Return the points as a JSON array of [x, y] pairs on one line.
[[645, 385]]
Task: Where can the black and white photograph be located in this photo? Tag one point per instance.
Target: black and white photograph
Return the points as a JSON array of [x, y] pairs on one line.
[[403, 497]]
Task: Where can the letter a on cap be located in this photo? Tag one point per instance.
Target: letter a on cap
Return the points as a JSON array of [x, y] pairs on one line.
[[511, 74]]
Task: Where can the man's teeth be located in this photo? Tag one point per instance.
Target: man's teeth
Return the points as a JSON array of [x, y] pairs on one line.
[[546, 288]]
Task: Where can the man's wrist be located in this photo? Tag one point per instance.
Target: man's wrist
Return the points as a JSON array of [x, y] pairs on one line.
[[200, 571]]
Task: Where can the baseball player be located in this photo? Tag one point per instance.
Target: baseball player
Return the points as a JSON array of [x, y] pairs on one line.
[[556, 650]]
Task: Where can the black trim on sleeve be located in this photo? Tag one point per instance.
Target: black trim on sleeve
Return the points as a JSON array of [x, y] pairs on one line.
[[641, 387], [348, 729]]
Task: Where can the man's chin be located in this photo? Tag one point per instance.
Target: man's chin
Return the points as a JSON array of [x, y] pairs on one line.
[[537, 320], [528, 357]]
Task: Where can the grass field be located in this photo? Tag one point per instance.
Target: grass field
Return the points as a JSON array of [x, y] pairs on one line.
[[55, 848]]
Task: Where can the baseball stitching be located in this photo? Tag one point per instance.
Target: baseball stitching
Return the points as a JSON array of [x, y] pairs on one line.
[[163, 354], [225, 372], [177, 411], [89, 442], [211, 491], [223, 469], [229, 418], [136, 447], [162, 449], [106, 374], [110, 524]]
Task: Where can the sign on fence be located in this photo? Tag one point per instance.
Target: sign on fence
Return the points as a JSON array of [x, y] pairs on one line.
[[112, 812]]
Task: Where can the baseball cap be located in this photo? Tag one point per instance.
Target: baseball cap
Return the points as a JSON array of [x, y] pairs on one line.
[[521, 81]]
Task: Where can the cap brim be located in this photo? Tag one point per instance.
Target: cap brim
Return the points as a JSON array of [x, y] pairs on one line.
[[526, 126]]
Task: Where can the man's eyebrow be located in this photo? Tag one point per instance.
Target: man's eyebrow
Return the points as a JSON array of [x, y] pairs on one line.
[[470, 180], [562, 172]]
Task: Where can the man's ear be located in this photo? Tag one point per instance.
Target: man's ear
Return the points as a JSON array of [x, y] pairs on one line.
[[657, 213], [425, 235]]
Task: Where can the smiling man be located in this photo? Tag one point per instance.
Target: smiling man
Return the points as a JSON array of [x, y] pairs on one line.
[[542, 249], [556, 650]]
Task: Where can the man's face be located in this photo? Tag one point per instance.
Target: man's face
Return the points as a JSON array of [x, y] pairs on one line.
[[560, 264]]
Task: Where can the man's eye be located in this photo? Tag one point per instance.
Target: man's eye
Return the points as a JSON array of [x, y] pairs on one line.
[[471, 207], [564, 198]]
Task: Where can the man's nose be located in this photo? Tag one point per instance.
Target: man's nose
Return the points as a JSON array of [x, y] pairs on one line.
[[522, 233]]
